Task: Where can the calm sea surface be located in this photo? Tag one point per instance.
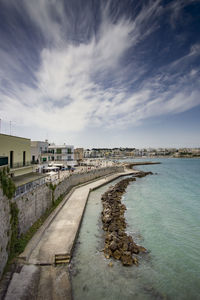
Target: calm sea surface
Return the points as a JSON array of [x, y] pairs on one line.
[[163, 215]]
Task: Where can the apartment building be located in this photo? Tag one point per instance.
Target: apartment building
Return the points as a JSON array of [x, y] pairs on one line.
[[37, 149], [78, 154], [62, 153]]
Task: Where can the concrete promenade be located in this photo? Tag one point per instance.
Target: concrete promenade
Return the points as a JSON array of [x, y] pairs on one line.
[[43, 275]]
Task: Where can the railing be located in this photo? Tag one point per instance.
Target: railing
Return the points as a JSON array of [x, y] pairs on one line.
[[20, 165], [25, 188], [48, 152], [56, 152]]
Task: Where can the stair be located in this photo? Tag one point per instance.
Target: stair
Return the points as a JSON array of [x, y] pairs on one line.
[[62, 259]]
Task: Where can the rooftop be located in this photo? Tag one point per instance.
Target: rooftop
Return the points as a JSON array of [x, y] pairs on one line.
[[60, 146], [14, 136], [26, 178]]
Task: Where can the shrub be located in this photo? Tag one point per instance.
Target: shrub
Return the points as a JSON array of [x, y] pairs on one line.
[[6, 183]]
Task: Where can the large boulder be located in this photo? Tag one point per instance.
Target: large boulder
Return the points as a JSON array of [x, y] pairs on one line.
[[127, 259], [113, 246], [116, 254]]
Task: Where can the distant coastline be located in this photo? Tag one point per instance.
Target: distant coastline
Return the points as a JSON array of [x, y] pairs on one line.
[[155, 157]]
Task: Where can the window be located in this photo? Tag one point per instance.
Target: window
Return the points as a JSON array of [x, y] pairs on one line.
[[3, 160], [24, 158], [58, 151], [11, 158], [69, 150]]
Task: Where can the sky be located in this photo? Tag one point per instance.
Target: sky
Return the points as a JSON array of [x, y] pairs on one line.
[[100, 73]]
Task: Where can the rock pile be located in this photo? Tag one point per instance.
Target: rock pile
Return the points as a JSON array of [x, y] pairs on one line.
[[143, 174], [118, 244]]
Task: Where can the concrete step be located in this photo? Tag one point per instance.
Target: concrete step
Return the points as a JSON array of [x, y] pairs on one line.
[[62, 259]]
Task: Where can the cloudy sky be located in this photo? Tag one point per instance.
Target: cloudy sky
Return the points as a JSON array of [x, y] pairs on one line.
[[98, 73]]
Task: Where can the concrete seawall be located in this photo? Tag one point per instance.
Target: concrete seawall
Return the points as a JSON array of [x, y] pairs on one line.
[[32, 205], [53, 246]]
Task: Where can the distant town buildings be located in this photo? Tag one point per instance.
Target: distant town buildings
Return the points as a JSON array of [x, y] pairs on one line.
[[21, 154], [27, 160], [137, 153], [79, 155]]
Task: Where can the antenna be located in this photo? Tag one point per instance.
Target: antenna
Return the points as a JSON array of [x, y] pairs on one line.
[[0, 125], [10, 127]]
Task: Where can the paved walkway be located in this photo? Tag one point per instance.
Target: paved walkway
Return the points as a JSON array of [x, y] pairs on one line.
[[59, 237], [55, 244]]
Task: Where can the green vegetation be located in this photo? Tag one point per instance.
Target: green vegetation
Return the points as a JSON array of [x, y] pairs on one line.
[[52, 188], [17, 243], [20, 243], [13, 243], [6, 183]]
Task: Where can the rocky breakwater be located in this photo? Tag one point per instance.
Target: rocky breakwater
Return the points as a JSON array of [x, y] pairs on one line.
[[118, 244]]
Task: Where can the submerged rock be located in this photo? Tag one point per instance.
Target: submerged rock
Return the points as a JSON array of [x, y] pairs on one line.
[[110, 264]]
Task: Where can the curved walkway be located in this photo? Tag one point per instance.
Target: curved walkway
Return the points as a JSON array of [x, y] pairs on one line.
[[43, 275]]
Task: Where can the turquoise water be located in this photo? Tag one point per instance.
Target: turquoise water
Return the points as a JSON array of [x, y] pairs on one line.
[[163, 214]]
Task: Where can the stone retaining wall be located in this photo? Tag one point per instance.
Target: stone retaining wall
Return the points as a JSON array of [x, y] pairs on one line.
[[4, 230], [32, 205]]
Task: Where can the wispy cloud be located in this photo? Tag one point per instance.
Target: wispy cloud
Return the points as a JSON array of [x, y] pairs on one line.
[[79, 82]]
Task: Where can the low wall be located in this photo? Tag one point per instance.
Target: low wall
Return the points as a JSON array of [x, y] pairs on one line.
[[33, 204], [76, 179]]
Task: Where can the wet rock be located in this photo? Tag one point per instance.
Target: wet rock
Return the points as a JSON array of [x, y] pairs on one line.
[[142, 249], [125, 247], [135, 261], [113, 246], [127, 259], [110, 264], [107, 219], [116, 254], [107, 253], [135, 250], [118, 244]]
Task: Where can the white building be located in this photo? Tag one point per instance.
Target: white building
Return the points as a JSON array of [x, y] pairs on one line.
[[37, 149], [87, 153], [62, 153]]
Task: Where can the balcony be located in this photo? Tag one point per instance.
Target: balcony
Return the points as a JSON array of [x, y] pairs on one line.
[[48, 151]]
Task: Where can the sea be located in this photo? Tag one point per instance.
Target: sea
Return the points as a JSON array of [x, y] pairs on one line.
[[163, 215]]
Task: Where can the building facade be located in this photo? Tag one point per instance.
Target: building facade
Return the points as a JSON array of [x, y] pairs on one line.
[[37, 149], [62, 153], [79, 154], [15, 152]]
